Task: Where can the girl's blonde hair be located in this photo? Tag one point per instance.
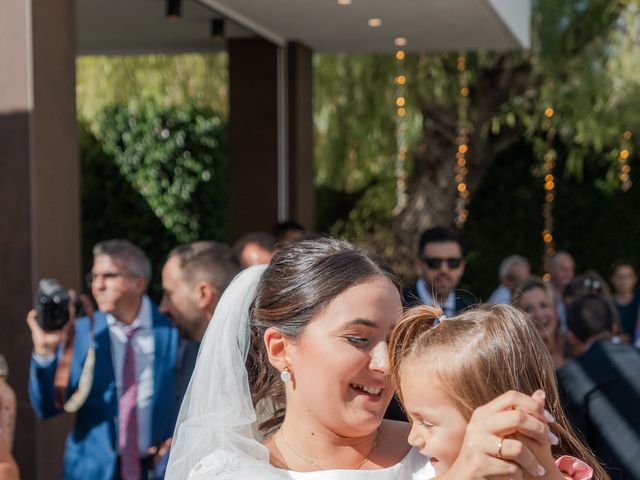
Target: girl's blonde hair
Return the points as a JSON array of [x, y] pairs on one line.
[[481, 354]]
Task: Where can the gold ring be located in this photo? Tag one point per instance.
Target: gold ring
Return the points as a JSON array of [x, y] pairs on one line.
[[500, 450]]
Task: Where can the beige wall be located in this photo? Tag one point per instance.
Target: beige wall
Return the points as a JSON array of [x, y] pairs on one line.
[[39, 194]]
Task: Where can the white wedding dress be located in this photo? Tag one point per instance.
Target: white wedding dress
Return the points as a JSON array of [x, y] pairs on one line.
[[412, 467], [213, 437]]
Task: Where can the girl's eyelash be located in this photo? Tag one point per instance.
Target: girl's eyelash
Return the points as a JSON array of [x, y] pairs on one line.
[[426, 425]]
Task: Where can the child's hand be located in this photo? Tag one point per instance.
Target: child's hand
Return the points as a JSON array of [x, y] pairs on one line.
[[490, 448]]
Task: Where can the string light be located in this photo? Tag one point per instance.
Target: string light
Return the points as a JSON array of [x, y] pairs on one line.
[[401, 127], [460, 168], [624, 169], [549, 190]]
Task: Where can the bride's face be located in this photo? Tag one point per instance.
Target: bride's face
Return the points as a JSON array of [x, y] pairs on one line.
[[340, 362]]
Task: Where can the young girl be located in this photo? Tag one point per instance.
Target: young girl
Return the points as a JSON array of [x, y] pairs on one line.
[[444, 369]]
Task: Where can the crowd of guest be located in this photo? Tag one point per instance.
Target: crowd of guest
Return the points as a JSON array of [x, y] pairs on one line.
[[124, 368]]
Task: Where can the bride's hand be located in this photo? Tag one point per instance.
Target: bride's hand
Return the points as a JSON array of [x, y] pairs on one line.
[[486, 451]]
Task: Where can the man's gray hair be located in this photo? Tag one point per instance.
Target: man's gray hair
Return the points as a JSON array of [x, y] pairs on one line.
[[508, 263], [132, 257]]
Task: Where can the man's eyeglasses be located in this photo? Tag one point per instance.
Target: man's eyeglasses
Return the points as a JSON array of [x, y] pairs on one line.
[[92, 277], [434, 262]]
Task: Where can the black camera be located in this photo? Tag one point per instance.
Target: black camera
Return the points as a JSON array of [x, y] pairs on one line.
[[52, 305]]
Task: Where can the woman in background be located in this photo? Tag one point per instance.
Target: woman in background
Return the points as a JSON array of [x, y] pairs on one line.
[[626, 296], [535, 297]]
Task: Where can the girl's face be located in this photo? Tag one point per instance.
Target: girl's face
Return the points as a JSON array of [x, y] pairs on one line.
[[340, 363], [437, 427], [541, 310]]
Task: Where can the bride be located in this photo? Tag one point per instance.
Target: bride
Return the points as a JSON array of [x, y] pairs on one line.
[[310, 332]]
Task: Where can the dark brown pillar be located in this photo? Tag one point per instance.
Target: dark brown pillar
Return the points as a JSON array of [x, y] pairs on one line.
[[39, 196], [270, 90], [253, 136], [300, 121]]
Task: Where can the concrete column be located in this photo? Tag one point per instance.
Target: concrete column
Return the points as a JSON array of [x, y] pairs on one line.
[[269, 96], [39, 196], [253, 136], [300, 120]]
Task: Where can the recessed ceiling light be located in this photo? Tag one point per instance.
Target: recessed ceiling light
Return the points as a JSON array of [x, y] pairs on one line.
[[344, 2], [400, 41], [374, 22]]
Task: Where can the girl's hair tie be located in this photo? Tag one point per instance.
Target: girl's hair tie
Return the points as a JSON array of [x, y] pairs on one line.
[[439, 320]]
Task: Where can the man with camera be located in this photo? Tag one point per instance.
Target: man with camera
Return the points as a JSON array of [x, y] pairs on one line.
[[114, 368]]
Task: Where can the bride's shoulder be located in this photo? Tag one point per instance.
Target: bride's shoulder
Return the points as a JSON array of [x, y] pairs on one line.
[[228, 464], [216, 464]]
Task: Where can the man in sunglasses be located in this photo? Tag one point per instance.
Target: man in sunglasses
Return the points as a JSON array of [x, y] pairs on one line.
[[440, 266]]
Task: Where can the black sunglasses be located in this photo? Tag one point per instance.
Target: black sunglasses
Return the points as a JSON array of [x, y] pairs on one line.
[[434, 262]]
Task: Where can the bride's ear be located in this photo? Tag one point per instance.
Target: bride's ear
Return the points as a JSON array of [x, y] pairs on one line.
[[277, 344]]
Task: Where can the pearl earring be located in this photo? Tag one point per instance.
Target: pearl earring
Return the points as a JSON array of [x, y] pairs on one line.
[[285, 375]]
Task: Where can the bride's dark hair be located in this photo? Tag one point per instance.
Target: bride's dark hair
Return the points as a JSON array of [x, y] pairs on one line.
[[302, 279]]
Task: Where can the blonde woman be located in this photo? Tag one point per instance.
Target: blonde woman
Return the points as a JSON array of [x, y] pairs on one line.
[[536, 298]]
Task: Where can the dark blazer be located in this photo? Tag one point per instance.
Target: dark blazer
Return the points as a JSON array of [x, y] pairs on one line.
[[600, 390], [185, 363], [91, 450], [410, 298]]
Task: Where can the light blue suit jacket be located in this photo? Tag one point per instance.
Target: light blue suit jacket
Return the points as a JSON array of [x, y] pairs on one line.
[[91, 449]]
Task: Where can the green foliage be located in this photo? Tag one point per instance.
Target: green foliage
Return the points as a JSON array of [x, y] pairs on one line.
[[164, 79], [596, 226], [583, 62], [154, 175], [112, 208], [370, 210], [176, 159], [354, 116]]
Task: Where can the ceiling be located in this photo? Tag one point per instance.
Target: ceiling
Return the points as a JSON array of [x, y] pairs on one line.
[[140, 26]]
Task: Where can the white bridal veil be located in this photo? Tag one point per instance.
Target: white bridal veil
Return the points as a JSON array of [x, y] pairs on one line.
[[213, 436]]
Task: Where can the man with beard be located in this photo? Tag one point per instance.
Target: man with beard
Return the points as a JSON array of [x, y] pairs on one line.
[[193, 279], [440, 265]]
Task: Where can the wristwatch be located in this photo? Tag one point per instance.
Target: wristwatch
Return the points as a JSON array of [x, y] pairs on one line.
[[4, 367]]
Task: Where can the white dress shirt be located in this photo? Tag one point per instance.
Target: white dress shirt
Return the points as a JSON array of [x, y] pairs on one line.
[[500, 295], [449, 305], [144, 348]]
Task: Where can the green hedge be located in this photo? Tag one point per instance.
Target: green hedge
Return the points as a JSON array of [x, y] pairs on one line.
[[156, 176]]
